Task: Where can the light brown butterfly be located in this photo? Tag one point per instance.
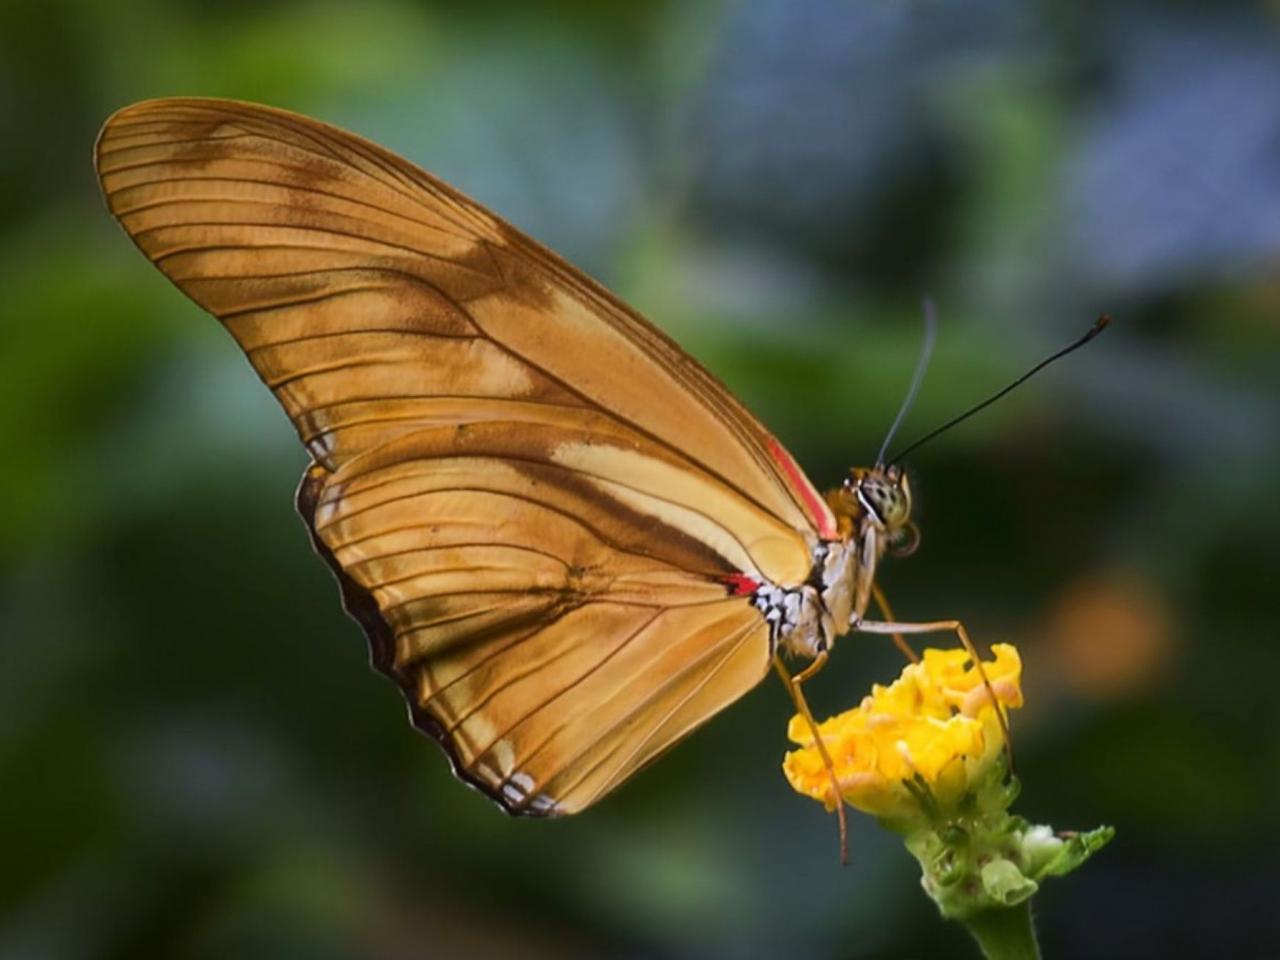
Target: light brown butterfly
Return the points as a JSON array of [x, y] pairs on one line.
[[566, 541]]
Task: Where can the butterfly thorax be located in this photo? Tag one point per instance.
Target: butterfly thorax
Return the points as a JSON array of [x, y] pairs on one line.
[[872, 509]]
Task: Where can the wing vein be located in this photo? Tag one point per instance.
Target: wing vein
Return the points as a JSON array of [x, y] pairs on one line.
[[737, 642], [563, 691]]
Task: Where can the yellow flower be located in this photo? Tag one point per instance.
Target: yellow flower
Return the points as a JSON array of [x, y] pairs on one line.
[[927, 739]]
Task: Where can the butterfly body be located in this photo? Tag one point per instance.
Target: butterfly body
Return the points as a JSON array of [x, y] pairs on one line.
[[566, 541], [872, 514]]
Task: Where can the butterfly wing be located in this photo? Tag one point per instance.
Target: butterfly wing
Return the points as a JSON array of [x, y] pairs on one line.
[[536, 504]]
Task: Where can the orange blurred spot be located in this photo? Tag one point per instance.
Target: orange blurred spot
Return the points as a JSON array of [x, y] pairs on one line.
[[1111, 635]]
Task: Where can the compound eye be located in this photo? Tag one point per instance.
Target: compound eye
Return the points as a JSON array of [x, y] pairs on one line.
[[904, 540]]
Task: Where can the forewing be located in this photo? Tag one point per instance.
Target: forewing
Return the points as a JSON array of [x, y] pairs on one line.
[[366, 293]]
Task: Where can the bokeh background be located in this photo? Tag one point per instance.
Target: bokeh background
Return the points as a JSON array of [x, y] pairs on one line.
[[196, 760]]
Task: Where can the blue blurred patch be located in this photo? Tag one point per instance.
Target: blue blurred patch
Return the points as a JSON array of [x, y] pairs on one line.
[[1177, 176]]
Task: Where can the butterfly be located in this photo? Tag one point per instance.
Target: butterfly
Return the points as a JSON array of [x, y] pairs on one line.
[[566, 541]]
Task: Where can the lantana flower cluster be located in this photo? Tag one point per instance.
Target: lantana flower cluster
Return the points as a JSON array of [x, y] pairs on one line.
[[917, 747], [926, 755]]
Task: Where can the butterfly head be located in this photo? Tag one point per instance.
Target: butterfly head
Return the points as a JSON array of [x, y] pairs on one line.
[[882, 496]]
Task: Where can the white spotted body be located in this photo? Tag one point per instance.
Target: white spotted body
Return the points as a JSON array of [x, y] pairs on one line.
[[805, 620]]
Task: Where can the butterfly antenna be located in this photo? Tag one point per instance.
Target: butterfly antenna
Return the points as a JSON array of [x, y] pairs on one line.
[[922, 364], [1098, 326]]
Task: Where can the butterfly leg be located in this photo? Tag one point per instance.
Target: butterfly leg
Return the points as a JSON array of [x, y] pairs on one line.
[[882, 603], [802, 707], [811, 670], [947, 626]]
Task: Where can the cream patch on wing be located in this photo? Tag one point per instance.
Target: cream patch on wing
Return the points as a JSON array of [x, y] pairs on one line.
[[749, 539]]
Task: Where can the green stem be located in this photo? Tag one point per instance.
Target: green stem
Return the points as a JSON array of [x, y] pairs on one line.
[[1005, 933]]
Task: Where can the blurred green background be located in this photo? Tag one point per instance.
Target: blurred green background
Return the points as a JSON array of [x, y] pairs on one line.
[[196, 760]]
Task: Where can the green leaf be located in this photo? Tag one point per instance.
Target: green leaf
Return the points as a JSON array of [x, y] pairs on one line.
[[1076, 849]]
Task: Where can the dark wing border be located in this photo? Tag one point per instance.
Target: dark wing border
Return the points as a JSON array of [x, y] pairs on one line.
[[361, 607]]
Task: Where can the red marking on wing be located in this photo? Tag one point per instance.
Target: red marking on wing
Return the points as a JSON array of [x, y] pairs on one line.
[[816, 506], [741, 584]]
